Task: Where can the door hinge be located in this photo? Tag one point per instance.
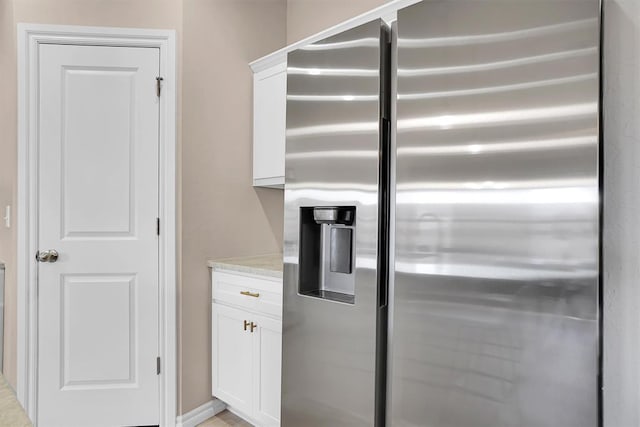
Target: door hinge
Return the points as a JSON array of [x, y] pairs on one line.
[[158, 226], [158, 85], [158, 365]]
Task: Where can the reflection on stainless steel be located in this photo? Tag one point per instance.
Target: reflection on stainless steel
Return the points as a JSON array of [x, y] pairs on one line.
[[489, 66], [341, 72], [352, 154], [502, 146], [452, 69], [498, 89], [495, 299], [448, 121], [347, 44], [333, 98], [484, 193], [334, 129], [526, 34], [450, 93], [329, 334], [505, 117], [547, 30]]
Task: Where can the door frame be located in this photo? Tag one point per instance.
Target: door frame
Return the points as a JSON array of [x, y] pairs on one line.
[[30, 36]]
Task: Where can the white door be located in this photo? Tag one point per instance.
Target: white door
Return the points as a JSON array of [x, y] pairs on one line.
[[98, 203], [232, 347]]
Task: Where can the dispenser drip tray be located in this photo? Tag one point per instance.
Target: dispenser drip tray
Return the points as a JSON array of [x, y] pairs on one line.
[[330, 295]]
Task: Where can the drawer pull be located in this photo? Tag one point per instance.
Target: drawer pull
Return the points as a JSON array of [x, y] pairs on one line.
[[253, 326], [246, 325], [250, 294]]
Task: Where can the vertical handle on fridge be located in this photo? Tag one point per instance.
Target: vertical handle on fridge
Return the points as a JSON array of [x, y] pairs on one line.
[[383, 215]]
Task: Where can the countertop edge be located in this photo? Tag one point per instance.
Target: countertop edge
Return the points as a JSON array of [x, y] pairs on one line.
[[237, 265]]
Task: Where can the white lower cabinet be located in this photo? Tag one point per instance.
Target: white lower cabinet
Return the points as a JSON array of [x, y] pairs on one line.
[[246, 347]]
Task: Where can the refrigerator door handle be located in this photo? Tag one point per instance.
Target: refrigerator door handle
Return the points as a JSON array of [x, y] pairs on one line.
[[383, 226]]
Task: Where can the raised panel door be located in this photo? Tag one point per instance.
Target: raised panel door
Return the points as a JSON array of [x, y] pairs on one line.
[[268, 367], [98, 203], [232, 357]]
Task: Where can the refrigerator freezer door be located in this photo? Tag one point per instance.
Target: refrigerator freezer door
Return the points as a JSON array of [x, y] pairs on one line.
[[495, 300], [332, 160]]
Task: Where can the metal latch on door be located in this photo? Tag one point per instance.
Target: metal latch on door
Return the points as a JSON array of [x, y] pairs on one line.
[[47, 256]]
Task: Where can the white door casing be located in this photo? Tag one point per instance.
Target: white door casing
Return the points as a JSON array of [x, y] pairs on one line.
[[108, 289], [98, 188]]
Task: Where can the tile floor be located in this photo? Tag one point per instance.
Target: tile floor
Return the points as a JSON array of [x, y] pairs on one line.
[[225, 419], [11, 413]]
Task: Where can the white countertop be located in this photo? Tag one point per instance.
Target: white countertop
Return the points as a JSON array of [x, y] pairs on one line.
[[262, 265]]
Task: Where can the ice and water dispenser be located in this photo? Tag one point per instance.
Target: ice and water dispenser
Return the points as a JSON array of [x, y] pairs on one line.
[[327, 241]]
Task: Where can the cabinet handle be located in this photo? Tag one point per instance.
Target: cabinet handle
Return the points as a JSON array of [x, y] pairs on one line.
[[253, 326], [250, 294], [246, 325]]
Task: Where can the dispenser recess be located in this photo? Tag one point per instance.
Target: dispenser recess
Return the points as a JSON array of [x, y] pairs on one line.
[[327, 238]]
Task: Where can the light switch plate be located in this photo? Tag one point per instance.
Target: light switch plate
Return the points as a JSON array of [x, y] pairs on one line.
[[7, 216]]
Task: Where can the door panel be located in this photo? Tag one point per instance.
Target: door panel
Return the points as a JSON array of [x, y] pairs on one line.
[[98, 347], [495, 314], [232, 343], [98, 189], [268, 364], [334, 116], [97, 148]]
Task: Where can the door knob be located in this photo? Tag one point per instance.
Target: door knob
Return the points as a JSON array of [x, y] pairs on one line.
[[47, 256]]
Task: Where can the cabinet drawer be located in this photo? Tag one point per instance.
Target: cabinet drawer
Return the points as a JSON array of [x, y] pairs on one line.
[[257, 294]]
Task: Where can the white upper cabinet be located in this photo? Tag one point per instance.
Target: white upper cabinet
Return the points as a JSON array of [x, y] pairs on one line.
[[269, 118]]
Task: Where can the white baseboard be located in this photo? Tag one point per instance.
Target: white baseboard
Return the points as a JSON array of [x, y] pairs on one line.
[[201, 413]]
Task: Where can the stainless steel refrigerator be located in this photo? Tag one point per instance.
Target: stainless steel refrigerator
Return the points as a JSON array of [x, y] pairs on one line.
[[442, 220]]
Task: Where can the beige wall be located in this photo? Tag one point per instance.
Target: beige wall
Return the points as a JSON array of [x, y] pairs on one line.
[[307, 17], [223, 215], [8, 172]]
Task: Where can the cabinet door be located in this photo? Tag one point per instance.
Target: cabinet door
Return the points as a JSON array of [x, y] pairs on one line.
[[269, 121], [267, 367], [232, 357]]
